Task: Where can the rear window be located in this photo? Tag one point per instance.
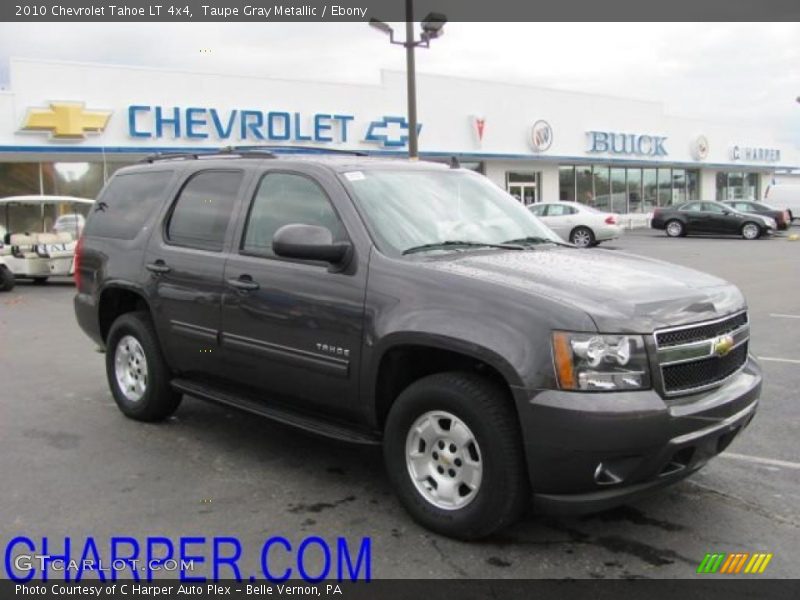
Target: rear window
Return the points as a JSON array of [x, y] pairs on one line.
[[123, 207]]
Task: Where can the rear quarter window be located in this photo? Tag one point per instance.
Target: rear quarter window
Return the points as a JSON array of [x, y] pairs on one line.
[[123, 207]]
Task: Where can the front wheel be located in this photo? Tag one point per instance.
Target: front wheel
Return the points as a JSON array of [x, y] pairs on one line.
[[751, 231], [137, 373], [454, 455], [583, 237], [6, 279]]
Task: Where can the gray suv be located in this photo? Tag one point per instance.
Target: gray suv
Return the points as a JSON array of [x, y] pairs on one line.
[[416, 306]]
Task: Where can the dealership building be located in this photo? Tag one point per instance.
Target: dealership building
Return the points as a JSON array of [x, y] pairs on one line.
[[66, 127]]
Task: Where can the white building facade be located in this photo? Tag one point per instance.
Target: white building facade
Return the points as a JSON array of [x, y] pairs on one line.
[[65, 127]]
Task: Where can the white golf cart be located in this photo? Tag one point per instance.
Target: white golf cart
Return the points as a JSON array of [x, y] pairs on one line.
[[38, 235]]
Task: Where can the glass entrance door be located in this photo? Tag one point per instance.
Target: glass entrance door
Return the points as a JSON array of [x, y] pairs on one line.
[[527, 193], [524, 186]]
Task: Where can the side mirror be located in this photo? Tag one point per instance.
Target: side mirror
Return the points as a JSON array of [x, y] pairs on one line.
[[308, 242]]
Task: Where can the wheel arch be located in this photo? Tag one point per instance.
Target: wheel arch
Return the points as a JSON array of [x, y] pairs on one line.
[[117, 299], [405, 358]]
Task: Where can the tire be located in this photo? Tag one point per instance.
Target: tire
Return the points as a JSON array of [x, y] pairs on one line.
[[751, 231], [39, 280], [6, 279], [132, 339], [583, 237], [675, 228], [501, 492]]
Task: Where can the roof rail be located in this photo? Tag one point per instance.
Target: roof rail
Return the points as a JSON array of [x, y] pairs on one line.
[[292, 149], [227, 151]]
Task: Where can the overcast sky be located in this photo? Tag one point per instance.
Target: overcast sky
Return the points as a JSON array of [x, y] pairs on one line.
[[748, 70]]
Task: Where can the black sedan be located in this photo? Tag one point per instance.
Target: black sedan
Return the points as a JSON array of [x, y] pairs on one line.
[[710, 218], [759, 208]]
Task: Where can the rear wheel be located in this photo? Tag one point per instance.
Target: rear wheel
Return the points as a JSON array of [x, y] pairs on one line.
[[453, 453], [583, 237], [138, 376], [6, 279], [675, 228], [751, 231]]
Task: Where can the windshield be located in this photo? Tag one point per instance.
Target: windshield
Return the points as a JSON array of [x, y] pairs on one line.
[[407, 209]]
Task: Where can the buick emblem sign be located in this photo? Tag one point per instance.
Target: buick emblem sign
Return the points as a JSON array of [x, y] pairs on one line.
[[700, 148], [541, 136]]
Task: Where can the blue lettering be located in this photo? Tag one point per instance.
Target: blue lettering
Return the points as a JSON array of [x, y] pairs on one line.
[[272, 119], [174, 122], [9, 563], [90, 548], [599, 141], [157, 561], [252, 127], [130, 559], [48, 558], [343, 120], [187, 559], [640, 145], [297, 130], [322, 123], [132, 130], [364, 553], [228, 560], [265, 558], [226, 132], [659, 146], [194, 119], [326, 553], [622, 138]]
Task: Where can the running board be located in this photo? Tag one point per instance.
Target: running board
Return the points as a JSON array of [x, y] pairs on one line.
[[308, 423]]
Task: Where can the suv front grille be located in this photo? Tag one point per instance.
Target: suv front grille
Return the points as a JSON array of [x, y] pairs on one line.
[[701, 373], [701, 355], [695, 333]]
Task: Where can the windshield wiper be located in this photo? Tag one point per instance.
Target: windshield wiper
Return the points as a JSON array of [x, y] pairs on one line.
[[535, 240], [450, 243]]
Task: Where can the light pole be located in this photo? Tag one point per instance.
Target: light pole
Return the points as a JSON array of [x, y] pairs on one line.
[[432, 26]]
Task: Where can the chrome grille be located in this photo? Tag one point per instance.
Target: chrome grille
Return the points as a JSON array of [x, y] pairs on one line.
[[701, 355], [694, 333]]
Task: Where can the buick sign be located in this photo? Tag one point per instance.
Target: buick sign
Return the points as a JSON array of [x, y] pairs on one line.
[[626, 143], [541, 136]]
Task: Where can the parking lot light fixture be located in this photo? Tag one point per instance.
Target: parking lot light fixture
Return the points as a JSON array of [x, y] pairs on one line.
[[432, 28]]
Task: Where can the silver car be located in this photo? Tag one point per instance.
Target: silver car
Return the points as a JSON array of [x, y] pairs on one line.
[[578, 223]]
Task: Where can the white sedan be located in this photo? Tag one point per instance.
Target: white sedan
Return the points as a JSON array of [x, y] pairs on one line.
[[577, 223]]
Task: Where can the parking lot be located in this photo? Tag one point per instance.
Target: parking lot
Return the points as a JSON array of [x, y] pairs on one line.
[[72, 465]]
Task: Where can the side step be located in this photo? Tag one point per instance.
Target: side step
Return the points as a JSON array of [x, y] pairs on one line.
[[308, 423]]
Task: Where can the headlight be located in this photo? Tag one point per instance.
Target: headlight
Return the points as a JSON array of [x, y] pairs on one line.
[[592, 361]]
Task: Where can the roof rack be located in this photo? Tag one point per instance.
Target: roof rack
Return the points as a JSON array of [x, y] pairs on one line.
[[227, 151], [248, 152], [293, 149]]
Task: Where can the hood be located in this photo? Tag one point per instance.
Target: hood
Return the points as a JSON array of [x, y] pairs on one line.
[[620, 292]]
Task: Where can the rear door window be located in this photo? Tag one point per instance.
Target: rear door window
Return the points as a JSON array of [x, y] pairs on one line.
[[203, 210], [123, 207]]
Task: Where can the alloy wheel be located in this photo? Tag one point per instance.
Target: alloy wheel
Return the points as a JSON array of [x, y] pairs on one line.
[[444, 460], [130, 368]]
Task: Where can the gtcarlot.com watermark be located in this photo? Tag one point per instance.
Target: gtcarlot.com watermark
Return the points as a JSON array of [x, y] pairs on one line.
[[45, 562]]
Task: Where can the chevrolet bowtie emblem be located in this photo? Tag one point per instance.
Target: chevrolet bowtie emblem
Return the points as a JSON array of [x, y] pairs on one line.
[[66, 120], [722, 345]]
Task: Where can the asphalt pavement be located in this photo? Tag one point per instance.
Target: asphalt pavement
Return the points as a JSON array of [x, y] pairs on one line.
[[73, 465]]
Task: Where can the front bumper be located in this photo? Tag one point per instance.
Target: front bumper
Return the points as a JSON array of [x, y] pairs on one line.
[[591, 451]]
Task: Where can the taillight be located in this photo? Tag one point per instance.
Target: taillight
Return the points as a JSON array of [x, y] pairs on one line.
[[611, 220], [76, 263]]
